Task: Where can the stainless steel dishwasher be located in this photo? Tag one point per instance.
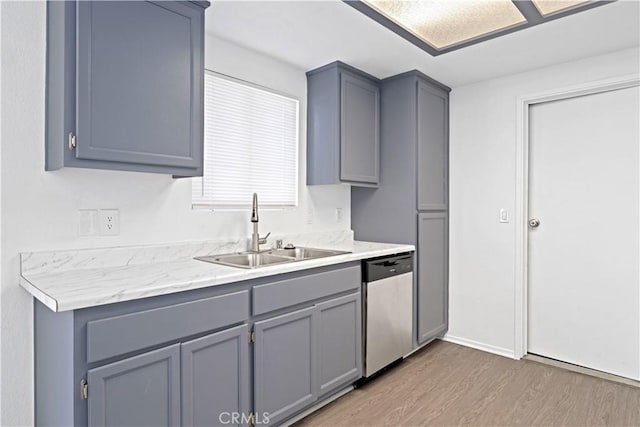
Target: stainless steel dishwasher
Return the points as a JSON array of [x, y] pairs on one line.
[[388, 310]]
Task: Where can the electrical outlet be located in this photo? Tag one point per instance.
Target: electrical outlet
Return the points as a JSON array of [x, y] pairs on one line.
[[87, 222], [338, 215], [109, 222]]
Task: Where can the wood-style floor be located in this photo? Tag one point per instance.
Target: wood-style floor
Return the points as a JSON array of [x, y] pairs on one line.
[[450, 385]]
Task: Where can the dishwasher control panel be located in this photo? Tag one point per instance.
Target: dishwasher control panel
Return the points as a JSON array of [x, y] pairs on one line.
[[377, 269]]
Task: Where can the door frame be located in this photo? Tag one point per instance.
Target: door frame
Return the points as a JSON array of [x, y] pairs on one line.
[[522, 188]]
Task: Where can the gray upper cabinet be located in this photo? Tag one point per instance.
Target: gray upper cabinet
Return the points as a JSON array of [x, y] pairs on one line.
[[343, 126], [414, 153], [359, 130], [433, 147], [285, 364], [143, 390], [215, 378], [125, 86]]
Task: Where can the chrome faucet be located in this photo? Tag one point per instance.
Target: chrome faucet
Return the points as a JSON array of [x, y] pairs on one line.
[[256, 240]]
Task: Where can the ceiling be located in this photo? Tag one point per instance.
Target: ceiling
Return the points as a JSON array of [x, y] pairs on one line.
[[310, 34]]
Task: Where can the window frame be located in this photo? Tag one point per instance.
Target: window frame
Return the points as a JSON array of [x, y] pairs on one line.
[[264, 207]]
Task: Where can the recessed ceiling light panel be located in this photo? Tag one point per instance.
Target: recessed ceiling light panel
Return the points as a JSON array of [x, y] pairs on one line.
[[445, 23], [441, 26], [547, 7]]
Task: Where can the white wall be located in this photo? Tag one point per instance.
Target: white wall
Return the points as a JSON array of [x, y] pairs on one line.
[[483, 180], [0, 209], [39, 209]]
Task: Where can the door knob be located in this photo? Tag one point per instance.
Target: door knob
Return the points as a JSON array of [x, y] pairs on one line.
[[534, 223]]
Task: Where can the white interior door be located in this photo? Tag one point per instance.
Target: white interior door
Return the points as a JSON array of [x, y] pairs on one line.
[[584, 257]]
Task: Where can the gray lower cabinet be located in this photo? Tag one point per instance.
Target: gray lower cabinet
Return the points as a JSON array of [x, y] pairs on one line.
[[343, 126], [178, 359], [285, 364], [215, 378], [143, 390], [205, 379], [301, 356], [339, 342], [125, 85], [413, 190], [432, 275], [188, 358]]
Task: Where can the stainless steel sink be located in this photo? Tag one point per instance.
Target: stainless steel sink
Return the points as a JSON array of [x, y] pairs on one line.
[[246, 260], [305, 253], [270, 257]]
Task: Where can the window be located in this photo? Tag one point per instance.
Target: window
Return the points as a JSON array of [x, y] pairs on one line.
[[250, 146]]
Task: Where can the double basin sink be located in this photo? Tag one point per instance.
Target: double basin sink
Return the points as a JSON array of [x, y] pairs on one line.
[[269, 257]]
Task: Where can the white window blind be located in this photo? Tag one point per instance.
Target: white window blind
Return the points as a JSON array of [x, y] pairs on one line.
[[250, 146]]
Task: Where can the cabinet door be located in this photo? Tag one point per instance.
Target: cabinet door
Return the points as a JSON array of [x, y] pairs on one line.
[[339, 342], [140, 391], [433, 147], [140, 82], [359, 130], [285, 364], [215, 378], [432, 275]]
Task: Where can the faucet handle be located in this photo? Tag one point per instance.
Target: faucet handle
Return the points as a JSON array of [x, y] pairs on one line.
[[263, 240]]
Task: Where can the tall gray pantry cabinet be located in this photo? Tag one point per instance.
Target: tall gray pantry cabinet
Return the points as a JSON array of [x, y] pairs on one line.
[[410, 204]]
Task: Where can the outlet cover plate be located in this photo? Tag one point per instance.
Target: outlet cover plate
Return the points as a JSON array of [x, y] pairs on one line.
[[87, 222], [109, 222]]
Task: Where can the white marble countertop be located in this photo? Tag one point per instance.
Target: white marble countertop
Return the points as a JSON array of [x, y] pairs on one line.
[[92, 283]]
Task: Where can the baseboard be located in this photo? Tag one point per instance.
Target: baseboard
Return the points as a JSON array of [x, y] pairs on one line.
[[582, 370], [505, 352]]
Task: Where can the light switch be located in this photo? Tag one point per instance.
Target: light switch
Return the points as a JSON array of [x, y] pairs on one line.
[[309, 214], [87, 222], [504, 216]]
